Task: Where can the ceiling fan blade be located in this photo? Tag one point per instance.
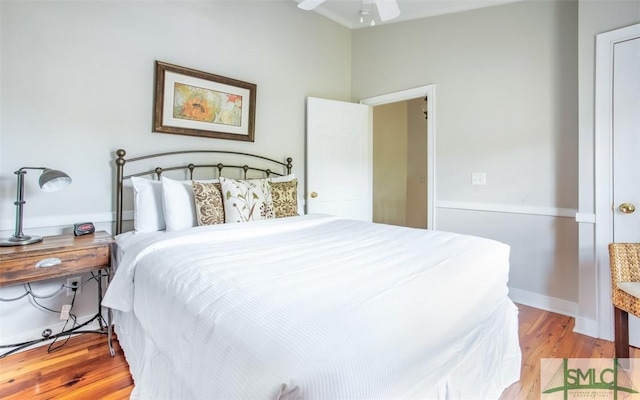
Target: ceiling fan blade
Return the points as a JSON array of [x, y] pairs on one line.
[[309, 4], [387, 9]]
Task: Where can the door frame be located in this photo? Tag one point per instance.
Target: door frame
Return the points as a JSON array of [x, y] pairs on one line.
[[604, 169], [428, 91]]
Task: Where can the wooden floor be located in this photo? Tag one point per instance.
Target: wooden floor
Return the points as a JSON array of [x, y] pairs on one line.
[[548, 335], [83, 368]]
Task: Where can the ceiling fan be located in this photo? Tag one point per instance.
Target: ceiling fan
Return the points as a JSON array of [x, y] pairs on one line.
[[387, 9]]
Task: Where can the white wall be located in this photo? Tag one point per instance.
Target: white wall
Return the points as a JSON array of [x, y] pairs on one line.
[[77, 84], [506, 79]]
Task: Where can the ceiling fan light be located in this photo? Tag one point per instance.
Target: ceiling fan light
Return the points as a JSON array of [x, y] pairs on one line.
[[373, 22], [363, 13]]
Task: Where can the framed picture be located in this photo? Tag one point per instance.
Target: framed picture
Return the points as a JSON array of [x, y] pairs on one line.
[[196, 103]]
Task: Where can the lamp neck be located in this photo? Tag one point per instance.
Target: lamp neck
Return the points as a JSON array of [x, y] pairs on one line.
[[20, 199], [24, 169]]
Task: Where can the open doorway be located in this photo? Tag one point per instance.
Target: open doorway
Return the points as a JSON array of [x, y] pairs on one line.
[[404, 157], [400, 163]]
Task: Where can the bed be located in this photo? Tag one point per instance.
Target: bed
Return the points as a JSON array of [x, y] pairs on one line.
[[306, 306]]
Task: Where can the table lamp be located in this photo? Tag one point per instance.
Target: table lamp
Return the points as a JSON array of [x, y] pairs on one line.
[[51, 180]]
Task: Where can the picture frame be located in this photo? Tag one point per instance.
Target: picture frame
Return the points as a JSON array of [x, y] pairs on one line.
[[197, 103]]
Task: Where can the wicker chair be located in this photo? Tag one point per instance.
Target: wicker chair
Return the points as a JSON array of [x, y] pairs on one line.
[[625, 293]]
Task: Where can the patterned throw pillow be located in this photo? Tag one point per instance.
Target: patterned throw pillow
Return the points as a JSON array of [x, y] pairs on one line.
[[246, 200], [285, 198], [208, 201]]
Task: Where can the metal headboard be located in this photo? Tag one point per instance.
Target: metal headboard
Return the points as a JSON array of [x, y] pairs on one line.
[[121, 177]]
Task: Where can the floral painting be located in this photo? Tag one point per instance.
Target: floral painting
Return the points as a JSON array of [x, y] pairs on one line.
[[192, 102], [199, 104]]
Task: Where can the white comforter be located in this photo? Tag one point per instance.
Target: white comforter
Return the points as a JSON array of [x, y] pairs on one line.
[[331, 308]]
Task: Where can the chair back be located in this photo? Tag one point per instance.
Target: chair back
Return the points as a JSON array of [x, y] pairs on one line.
[[625, 267]]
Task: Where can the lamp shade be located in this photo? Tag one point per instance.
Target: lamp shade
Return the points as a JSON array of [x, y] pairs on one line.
[[52, 180]]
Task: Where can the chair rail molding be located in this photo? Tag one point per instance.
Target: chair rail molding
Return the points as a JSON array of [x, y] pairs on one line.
[[51, 221], [508, 208], [586, 218]]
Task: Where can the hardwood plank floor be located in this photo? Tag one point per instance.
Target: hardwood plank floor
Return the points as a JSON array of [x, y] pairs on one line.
[[548, 335], [83, 368]]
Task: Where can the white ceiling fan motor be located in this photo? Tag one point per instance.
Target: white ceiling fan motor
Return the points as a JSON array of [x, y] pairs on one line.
[[387, 9]]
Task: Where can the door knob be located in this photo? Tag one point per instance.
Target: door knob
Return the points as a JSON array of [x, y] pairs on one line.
[[627, 208], [314, 195]]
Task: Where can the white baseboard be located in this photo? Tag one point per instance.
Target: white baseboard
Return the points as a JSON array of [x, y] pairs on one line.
[[543, 302], [37, 333], [586, 326]]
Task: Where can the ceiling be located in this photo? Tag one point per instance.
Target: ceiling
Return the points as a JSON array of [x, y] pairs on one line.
[[347, 12]]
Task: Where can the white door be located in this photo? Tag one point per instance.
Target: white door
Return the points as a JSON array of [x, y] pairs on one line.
[[339, 159], [626, 151]]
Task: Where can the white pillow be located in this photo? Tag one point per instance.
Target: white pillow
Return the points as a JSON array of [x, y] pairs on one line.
[[246, 200], [633, 288], [285, 178], [179, 203], [148, 210]]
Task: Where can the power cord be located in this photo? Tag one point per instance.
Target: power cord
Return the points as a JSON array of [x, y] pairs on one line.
[[64, 327], [47, 333]]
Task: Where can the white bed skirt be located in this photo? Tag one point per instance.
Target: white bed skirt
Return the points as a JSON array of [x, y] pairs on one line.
[[484, 372]]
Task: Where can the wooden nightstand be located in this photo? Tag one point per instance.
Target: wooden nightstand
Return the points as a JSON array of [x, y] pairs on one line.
[[57, 256]]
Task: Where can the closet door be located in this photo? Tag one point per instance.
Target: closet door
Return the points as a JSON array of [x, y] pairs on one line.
[[626, 151]]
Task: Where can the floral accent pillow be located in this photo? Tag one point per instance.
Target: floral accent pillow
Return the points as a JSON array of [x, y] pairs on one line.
[[285, 198], [208, 202], [246, 200]]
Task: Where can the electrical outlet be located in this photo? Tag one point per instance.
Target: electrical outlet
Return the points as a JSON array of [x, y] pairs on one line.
[[75, 281], [478, 178]]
